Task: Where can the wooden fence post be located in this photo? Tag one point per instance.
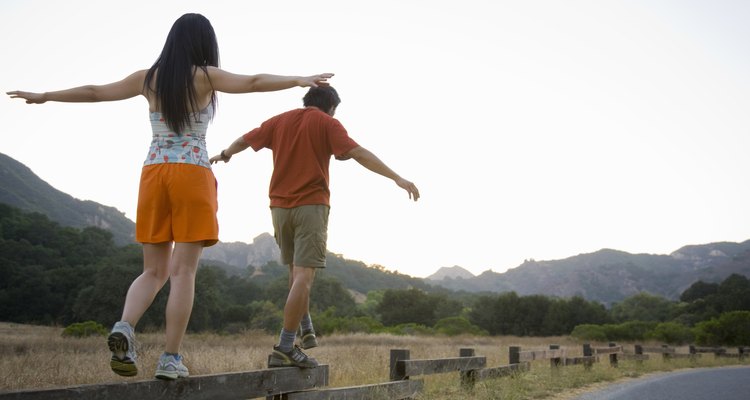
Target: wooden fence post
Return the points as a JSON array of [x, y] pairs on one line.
[[468, 378], [613, 356], [588, 363], [665, 353], [398, 372], [555, 362], [514, 356], [639, 352]]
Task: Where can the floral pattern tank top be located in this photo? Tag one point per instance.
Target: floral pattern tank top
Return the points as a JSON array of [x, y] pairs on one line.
[[188, 148]]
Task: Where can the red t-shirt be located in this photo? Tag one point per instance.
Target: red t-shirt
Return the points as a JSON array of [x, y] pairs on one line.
[[302, 141]]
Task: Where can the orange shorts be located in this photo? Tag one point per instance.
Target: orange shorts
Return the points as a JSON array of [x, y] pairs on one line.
[[177, 202]]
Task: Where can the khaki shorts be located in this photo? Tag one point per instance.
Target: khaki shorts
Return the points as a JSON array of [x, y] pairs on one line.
[[177, 202], [301, 233]]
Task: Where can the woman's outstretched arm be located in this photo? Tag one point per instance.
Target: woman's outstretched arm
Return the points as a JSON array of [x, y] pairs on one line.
[[129, 87], [227, 82]]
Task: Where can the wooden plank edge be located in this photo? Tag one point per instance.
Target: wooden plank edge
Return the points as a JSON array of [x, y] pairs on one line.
[[390, 390]]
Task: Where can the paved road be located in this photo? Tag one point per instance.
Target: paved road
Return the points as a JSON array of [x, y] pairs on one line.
[[728, 383]]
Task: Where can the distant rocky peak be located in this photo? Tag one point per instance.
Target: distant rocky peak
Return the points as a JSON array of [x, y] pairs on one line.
[[450, 272]]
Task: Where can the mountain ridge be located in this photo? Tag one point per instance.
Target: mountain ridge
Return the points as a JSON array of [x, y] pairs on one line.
[[20, 187], [606, 275], [609, 275]]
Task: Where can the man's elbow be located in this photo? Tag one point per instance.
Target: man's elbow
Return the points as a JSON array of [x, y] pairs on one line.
[[355, 153]]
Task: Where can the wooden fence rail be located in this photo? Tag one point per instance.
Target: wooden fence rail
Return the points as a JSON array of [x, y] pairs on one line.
[[389, 390], [239, 385], [668, 352], [310, 384]]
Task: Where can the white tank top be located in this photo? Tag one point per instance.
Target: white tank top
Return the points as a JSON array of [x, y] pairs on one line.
[[188, 148]]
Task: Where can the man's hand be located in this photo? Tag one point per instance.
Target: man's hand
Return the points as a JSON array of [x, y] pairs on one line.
[[220, 157]]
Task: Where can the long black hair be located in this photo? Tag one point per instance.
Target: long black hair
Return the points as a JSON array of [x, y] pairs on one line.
[[191, 44]]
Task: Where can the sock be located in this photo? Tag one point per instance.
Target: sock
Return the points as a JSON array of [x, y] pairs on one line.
[[286, 340], [306, 323]]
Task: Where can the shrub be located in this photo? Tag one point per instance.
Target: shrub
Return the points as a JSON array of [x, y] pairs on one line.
[[453, 326], [629, 331], [325, 323], [408, 329], [730, 329], [589, 332], [672, 333], [84, 329]]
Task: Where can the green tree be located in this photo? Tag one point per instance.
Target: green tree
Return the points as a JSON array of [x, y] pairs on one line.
[[209, 303], [28, 298], [103, 300], [498, 315], [266, 316], [734, 294], [630, 330], [699, 290], [369, 307], [482, 314], [703, 301], [643, 307], [445, 307], [589, 332], [730, 329], [406, 306], [671, 333], [328, 292]]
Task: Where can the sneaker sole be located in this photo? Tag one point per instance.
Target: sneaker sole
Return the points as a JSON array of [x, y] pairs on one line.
[[276, 363], [166, 375], [118, 343], [305, 344], [123, 368]]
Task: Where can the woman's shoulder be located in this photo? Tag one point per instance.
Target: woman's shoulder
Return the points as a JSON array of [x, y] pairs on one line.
[[207, 72], [203, 77]]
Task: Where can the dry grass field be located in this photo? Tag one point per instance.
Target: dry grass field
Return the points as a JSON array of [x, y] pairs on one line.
[[39, 357]]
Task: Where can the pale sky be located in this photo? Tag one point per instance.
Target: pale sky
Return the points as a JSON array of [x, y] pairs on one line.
[[533, 129]]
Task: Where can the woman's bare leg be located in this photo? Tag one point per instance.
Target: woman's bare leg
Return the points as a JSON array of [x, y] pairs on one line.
[[146, 286], [182, 269]]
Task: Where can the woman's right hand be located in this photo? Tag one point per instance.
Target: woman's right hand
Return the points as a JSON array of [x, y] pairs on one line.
[[30, 97], [315, 80]]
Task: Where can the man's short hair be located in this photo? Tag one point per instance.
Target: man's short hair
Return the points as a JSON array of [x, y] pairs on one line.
[[323, 97]]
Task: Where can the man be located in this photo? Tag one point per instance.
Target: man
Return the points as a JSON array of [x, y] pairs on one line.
[[303, 141]]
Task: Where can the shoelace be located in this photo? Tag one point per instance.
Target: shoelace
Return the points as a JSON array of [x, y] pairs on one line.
[[298, 355], [173, 363]]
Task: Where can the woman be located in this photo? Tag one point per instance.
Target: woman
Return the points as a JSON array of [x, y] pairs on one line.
[[177, 203]]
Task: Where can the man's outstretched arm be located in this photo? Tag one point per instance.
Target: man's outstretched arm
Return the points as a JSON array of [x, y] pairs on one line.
[[234, 148], [370, 161]]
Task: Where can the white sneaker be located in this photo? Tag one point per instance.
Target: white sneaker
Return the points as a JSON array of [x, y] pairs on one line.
[[122, 344], [170, 367]]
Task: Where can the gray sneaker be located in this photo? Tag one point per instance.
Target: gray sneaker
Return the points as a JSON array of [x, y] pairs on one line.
[[307, 339], [170, 367], [121, 342], [293, 358]]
